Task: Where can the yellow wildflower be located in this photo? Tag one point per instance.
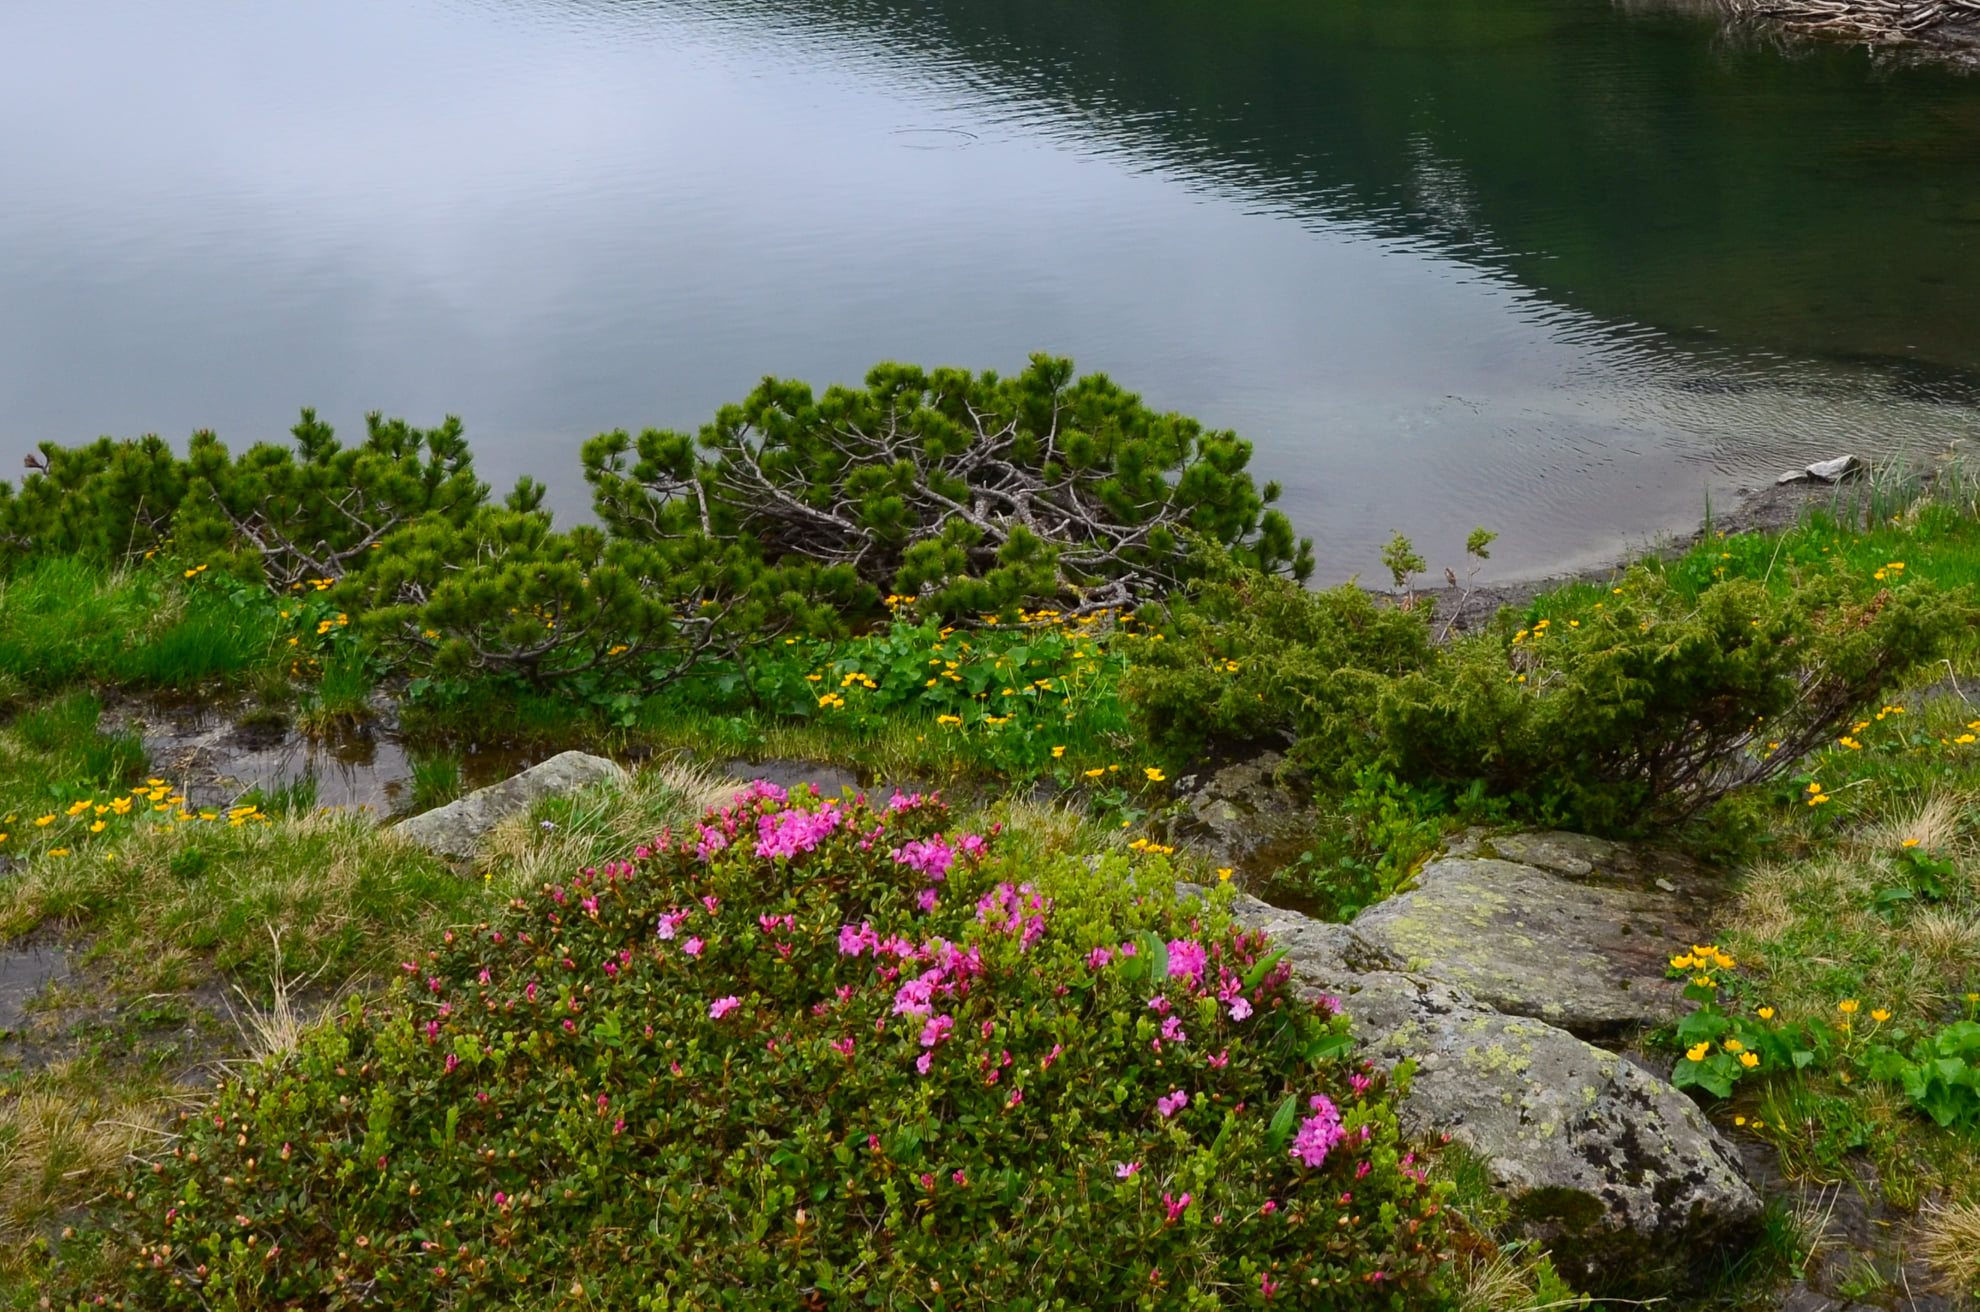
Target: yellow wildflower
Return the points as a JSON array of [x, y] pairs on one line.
[[1847, 1006], [1698, 1052]]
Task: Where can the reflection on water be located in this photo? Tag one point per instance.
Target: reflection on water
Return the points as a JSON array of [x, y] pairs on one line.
[[1541, 264]]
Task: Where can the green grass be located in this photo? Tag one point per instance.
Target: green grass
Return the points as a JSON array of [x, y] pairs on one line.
[[64, 621]]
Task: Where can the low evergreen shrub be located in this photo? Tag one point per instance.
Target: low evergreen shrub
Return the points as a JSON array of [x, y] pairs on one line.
[[809, 1054], [1639, 703]]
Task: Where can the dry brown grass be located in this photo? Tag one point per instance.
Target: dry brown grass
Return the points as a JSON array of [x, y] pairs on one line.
[[57, 1153], [601, 824], [1933, 822], [1947, 937], [1949, 1239]]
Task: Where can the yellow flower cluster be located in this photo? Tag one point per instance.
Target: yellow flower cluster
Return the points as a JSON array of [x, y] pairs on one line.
[[1703, 958], [1143, 845], [96, 815]]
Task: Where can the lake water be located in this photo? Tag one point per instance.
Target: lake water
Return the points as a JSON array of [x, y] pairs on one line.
[[1558, 267]]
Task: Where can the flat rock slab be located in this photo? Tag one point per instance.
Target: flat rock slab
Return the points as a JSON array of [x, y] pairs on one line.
[[1586, 957], [456, 829]]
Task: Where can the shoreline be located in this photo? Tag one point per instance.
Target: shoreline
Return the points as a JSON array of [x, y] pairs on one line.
[[1769, 509]]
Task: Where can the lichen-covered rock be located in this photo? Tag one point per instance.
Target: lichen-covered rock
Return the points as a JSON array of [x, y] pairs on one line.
[[1618, 1173], [1577, 856], [1588, 958], [1241, 815], [456, 829]]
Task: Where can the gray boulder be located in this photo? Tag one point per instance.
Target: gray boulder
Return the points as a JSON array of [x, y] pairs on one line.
[[1588, 958], [1618, 1173], [456, 829]]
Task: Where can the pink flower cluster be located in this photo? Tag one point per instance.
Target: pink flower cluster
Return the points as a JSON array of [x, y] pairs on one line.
[[1318, 1133], [788, 833], [1016, 910]]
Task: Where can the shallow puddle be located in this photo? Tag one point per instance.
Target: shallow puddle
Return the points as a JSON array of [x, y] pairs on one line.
[[217, 753]]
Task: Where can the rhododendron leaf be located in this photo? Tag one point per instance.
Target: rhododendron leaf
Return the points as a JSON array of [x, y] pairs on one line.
[[1281, 1127], [1328, 1046], [1261, 968]]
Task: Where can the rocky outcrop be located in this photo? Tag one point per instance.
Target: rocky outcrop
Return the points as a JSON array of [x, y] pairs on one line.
[[1587, 958], [1618, 1173], [1240, 812], [1475, 976], [456, 829]]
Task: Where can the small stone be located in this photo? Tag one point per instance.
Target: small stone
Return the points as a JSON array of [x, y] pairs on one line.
[[456, 829]]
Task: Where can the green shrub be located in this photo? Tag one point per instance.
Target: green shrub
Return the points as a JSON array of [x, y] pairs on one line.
[[970, 492], [1246, 655], [1614, 709], [1650, 705], [807, 1055]]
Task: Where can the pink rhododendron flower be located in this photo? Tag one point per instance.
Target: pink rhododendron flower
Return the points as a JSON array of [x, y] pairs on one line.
[[1240, 1008], [1098, 958], [928, 857], [1171, 1103], [936, 1030], [787, 834], [1187, 960], [693, 946], [926, 899], [723, 1006], [924, 1061], [1175, 1206], [1127, 1170], [1172, 1031], [852, 942], [1221, 1060], [1317, 1133]]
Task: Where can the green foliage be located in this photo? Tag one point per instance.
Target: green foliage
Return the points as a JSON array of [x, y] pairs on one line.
[[436, 780], [1372, 839], [64, 619], [1650, 704], [1021, 701], [1401, 559], [969, 492], [856, 1064], [1244, 655], [1939, 1071]]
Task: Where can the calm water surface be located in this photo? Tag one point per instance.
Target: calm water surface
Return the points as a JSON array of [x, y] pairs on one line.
[[1554, 266]]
